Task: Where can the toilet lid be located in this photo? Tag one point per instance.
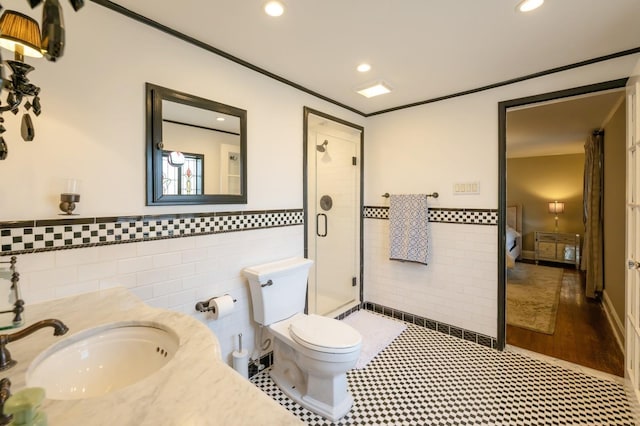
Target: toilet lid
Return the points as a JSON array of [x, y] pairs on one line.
[[324, 334]]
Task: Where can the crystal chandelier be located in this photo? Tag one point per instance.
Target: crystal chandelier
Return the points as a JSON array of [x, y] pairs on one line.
[[21, 34]]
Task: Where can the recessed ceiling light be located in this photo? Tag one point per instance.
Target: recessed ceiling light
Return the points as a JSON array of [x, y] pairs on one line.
[[375, 90], [364, 67], [220, 118], [274, 8], [529, 5]]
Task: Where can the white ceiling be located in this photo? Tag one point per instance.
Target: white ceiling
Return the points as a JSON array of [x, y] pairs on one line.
[[423, 48], [559, 127]]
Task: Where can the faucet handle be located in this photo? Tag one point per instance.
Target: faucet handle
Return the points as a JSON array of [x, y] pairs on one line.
[[5, 393], [6, 362]]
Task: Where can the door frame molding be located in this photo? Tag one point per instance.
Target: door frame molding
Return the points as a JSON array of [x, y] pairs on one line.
[[305, 178], [502, 181]]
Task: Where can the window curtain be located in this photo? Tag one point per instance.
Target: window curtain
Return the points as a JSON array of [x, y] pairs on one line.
[[592, 258]]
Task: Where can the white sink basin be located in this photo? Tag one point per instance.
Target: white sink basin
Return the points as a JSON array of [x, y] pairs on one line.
[[100, 360]]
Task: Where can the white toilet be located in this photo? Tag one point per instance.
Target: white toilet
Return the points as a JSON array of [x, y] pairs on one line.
[[311, 353]]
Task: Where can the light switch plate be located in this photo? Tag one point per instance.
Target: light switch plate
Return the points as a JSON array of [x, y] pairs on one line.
[[466, 188]]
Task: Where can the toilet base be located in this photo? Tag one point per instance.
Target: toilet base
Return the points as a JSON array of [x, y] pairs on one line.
[[324, 394], [297, 392]]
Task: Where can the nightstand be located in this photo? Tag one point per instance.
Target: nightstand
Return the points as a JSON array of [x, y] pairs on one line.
[[557, 247]]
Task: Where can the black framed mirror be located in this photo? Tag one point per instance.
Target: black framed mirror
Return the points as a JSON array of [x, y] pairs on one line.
[[196, 149]]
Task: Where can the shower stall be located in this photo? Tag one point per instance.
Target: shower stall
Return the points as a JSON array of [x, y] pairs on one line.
[[333, 193]]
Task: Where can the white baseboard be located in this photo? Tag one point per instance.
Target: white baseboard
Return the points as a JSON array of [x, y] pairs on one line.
[[614, 320]]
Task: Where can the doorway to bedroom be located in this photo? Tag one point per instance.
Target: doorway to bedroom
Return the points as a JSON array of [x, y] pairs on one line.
[[549, 305]]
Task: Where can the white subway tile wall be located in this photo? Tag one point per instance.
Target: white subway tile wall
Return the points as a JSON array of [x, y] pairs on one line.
[[457, 287], [172, 273]]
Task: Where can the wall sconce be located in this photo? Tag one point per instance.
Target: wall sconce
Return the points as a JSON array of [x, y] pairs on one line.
[[70, 197], [20, 34], [556, 208]]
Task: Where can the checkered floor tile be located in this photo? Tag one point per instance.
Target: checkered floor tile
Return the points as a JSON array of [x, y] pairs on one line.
[[429, 378]]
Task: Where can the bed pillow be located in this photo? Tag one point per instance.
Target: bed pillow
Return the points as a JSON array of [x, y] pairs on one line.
[[512, 234]]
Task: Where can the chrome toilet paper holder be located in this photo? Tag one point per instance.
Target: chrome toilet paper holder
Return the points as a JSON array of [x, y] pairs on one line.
[[207, 306]]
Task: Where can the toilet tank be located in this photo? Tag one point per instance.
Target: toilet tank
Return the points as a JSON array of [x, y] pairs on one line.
[[286, 293]]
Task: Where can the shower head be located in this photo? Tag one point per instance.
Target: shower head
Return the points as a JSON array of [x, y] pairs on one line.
[[322, 147]]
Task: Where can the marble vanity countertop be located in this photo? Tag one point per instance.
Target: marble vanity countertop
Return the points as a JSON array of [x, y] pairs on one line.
[[196, 388]]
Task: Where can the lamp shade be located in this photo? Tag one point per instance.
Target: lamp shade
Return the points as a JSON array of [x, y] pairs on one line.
[[556, 207], [20, 33]]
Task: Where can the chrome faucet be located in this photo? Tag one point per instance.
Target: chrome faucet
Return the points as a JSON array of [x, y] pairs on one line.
[[5, 357]]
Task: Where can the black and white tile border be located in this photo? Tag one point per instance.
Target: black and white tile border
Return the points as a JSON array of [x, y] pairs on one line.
[[32, 236], [442, 215], [46, 235], [451, 330]]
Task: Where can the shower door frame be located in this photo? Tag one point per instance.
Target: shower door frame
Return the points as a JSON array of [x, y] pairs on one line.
[[305, 195]]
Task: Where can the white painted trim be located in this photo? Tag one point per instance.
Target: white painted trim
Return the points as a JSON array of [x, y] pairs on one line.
[[614, 320]]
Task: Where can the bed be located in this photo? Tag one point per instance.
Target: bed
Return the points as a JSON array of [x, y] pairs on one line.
[[513, 234]]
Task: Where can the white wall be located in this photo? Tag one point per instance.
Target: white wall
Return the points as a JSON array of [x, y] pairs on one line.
[[429, 148], [93, 123], [93, 128]]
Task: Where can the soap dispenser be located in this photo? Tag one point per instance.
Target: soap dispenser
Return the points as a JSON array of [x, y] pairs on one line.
[[23, 405]]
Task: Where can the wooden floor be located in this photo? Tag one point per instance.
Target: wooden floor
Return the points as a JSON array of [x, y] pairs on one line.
[[583, 334]]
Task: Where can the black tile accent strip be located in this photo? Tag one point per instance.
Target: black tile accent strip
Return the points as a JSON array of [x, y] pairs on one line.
[[349, 312], [65, 221], [451, 330], [442, 215], [68, 233], [17, 224]]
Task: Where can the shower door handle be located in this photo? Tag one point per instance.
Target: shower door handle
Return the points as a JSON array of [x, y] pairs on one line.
[[318, 216]]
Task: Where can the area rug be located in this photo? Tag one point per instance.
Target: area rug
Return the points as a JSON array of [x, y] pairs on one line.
[[377, 333], [533, 294]]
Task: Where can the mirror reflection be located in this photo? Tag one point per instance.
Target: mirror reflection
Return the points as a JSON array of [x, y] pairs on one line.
[[197, 149], [206, 151]]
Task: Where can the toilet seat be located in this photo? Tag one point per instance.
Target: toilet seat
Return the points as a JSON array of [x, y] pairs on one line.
[[324, 334]]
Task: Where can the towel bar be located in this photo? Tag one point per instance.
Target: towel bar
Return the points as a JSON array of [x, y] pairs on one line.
[[434, 195]]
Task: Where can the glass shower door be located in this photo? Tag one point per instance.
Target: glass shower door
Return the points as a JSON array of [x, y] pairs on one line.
[[336, 222]]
